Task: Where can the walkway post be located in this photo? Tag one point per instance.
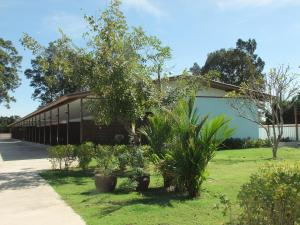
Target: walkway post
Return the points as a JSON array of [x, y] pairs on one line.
[[68, 122], [35, 128], [57, 128], [23, 129], [40, 127], [296, 122], [81, 120], [44, 127], [32, 130], [28, 130], [50, 135]]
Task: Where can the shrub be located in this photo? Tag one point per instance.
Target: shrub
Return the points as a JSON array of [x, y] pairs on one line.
[[233, 143], [258, 143], [158, 132], [84, 153], [122, 154], [55, 155], [107, 162], [139, 161], [240, 143], [272, 197], [286, 139], [194, 144], [61, 154], [68, 155]]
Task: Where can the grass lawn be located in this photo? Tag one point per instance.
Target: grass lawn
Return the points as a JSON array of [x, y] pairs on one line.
[[227, 172]]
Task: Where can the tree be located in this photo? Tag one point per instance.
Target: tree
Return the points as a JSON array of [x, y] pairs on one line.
[[9, 65], [57, 69], [5, 121], [121, 76], [195, 69], [279, 93], [234, 65], [157, 55]]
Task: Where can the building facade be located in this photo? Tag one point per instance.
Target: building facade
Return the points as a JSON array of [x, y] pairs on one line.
[[66, 121]]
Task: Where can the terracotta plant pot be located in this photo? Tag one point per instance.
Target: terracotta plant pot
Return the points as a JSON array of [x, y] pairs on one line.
[[143, 183], [105, 183]]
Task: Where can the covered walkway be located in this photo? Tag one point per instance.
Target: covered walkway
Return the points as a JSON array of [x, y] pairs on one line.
[[65, 121]]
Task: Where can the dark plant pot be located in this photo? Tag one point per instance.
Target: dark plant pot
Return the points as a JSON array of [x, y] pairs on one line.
[[105, 183], [168, 181], [143, 183]]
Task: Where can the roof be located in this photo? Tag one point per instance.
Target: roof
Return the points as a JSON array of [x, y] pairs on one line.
[[77, 95], [212, 83], [61, 101]]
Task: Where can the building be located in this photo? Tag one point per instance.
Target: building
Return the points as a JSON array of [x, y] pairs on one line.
[[66, 121]]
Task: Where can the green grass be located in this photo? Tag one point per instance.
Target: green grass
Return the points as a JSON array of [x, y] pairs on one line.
[[227, 172]]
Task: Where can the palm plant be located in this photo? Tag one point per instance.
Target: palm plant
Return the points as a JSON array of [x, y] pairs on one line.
[[157, 132], [193, 145]]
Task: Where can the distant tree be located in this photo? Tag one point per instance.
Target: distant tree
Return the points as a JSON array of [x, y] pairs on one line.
[[9, 65], [256, 105], [5, 121], [288, 111], [156, 56], [235, 65], [57, 69], [195, 69]]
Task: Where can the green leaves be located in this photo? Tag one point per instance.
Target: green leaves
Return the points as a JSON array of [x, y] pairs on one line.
[[183, 143], [57, 69], [272, 196], [9, 65], [120, 78], [235, 65]]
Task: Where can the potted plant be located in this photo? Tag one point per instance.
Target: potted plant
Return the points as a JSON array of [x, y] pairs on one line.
[[139, 167], [123, 156], [105, 177]]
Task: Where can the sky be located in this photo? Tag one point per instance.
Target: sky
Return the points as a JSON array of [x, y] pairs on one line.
[[192, 28]]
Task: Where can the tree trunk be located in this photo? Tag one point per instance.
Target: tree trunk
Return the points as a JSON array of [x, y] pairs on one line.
[[274, 149], [130, 127]]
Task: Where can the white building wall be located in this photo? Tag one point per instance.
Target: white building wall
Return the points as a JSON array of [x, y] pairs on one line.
[[213, 102]]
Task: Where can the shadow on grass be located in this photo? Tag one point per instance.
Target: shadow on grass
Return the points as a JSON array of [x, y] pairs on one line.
[[60, 177], [154, 196]]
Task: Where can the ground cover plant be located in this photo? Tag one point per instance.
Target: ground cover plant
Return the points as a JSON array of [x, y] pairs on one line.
[[227, 172], [272, 196]]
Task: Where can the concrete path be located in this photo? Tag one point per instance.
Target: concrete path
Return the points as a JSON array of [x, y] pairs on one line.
[[26, 198]]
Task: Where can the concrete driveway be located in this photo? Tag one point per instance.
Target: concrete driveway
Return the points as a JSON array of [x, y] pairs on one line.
[[26, 198]]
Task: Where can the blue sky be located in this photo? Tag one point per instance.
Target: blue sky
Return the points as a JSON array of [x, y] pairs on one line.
[[192, 28]]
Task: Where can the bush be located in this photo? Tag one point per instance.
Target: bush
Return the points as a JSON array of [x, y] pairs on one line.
[[233, 143], [194, 144], [286, 139], [138, 160], [107, 162], [61, 154], [84, 153], [240, 143], [158, 132], [272, 197], [122, 154], [55, 155]]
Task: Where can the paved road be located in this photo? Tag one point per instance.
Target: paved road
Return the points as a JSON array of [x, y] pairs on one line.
[[26, 198]]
